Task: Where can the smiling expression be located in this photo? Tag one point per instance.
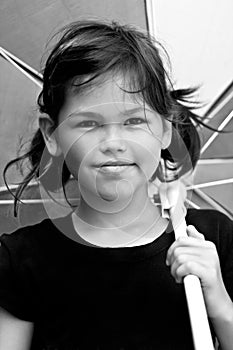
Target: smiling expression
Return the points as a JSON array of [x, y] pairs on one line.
[[108, 125]]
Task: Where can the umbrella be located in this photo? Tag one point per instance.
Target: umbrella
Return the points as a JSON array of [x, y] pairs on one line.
[[172, 196], [211, 185], [213, 176], [199, 196], [202, 193], [214, 172], [198, 317]]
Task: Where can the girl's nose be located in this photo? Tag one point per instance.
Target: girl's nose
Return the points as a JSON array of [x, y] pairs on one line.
[[112, 139]]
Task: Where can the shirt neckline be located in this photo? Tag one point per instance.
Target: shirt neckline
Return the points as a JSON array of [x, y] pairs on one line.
[[68, 238]]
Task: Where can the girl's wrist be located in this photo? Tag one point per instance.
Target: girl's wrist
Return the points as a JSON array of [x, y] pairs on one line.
[[225, 315], [223, 326], [218, 303], [223, 310]]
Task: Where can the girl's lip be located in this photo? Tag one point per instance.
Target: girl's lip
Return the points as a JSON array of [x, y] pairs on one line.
[[114, 164], [115, 169]]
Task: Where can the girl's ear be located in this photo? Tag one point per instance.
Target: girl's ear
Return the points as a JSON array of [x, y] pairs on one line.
[[167, 134], [46, 125]]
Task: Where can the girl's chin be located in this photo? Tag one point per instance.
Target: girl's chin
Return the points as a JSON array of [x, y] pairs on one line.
[[112, 197]]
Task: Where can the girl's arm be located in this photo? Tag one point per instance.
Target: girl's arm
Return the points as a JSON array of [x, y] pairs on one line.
[[222, 321], [15, 334], [223, 326], [194, 255]]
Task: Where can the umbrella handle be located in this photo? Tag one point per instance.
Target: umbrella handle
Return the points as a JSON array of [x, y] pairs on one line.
[[197, 313], [172, 197], [196, 306]]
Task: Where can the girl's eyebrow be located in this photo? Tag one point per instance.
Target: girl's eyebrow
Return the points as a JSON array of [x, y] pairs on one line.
[[95, 114], [84, 114], [134, 110]]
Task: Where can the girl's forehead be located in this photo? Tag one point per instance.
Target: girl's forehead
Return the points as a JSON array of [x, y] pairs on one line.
[[102, 95], [106, 87]]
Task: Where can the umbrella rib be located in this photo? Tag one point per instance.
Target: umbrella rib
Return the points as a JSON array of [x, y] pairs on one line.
[[189, 202], [210, 184], [215, 161], [30, 184], [22, 63], [216, 133], [34, 201], [211, 201], [14, 187], [218, 107], [150, 11], [15, 62]]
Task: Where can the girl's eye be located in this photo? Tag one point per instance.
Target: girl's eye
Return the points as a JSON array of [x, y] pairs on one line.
[[135, 121], [94, 124], [88, 124]]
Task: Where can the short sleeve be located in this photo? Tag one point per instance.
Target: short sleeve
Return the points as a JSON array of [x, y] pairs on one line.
[[218, 228], [12, 292], [227, 256]]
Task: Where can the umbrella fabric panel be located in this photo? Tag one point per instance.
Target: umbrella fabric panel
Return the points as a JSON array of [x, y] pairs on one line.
[[37, 205], [222, 146], [207, 173], [25, 26], [17, 115]]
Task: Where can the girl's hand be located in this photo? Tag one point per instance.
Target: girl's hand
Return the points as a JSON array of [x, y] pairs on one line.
[[194, 255]]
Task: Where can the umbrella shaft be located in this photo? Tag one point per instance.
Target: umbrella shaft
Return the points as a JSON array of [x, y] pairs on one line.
[[197, 313]]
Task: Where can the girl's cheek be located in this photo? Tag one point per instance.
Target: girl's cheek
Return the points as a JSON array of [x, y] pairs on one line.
[[70, 142]]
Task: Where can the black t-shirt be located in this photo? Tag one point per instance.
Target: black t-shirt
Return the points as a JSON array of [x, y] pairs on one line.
[[84, 297]]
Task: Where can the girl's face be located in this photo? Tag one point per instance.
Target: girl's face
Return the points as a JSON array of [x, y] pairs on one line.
[[105, 124]]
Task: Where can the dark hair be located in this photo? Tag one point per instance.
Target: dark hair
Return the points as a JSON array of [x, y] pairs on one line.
[[88, 49]]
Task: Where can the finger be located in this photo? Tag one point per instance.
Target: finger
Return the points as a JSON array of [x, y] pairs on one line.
[[192, 232], [185, 242], [181, 259], [188, 268], [175, 249], [190, 252]]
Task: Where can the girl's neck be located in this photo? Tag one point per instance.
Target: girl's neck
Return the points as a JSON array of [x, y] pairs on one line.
[[139, 208], [135, 225], [116, 238]]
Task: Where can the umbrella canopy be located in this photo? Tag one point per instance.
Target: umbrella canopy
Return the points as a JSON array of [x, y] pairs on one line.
[[25, 27], [198, 38], [213, 177], [20, 82]]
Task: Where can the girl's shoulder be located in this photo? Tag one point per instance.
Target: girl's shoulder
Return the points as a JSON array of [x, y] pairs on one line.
[[205, 217], [31, 239], [216, 226], [28, 230], [28, 260]]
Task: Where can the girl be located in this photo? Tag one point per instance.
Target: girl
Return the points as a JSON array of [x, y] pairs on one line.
[[109, 275]]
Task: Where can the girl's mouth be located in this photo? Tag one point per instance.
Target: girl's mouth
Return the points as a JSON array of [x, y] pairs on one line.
[[115, 169]]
